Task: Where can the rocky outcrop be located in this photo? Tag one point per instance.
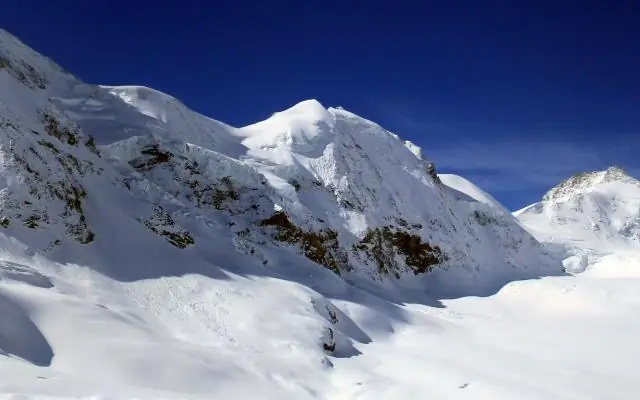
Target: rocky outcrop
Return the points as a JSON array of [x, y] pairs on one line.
[[322, 247], [23, 72], [161, 223], [395, 251], [51, 173]]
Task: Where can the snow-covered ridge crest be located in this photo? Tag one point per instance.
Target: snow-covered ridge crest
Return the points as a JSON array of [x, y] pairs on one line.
[[28, 66], [583, 182], [145, 99]]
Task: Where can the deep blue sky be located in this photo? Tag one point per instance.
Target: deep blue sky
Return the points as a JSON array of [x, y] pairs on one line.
[[513, 94]]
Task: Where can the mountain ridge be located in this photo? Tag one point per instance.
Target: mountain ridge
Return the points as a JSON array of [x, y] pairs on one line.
[[586, 180], [322, 180]]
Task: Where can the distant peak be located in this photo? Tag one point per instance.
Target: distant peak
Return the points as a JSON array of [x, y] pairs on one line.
[[584, 181], [614, 173]]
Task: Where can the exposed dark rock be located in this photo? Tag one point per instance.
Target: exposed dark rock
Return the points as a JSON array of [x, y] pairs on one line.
[[151, 156], [49, 145], [329, 345], [320, 247], [223, 193], [91, 145], [52, 126], [32, 221], [162, 224], [296, 185], [385, 243], [23, 72], [431, 170]]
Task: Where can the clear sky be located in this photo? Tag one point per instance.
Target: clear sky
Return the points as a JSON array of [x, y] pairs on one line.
[[515, 95]]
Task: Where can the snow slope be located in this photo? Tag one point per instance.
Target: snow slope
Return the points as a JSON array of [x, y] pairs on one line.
[[148, 251], [194, 337], [464, 186]]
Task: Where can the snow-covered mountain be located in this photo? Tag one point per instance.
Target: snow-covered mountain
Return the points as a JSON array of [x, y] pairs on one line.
[[309, 184], [148, 251], [589, 218]]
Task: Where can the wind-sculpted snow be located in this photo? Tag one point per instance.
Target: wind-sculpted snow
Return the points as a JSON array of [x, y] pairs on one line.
[[20, 337], [11, 271]]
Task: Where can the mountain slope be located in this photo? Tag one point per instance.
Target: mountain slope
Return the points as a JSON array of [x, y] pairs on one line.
[[465, 187], [346, 193], [588, 217]]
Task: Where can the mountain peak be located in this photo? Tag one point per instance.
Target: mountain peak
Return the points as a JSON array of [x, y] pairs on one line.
[[309, 105], [307, 111], [587, 217], [585, 181], [301, 128], [615, 174]]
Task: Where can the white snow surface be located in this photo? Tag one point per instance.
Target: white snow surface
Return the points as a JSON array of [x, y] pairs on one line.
[[96, 302], [464, 186]]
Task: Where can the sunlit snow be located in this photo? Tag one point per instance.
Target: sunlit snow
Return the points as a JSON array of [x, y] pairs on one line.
[[234, 316]]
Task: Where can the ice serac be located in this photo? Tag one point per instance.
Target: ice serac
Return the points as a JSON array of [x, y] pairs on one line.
[[588, 217]]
